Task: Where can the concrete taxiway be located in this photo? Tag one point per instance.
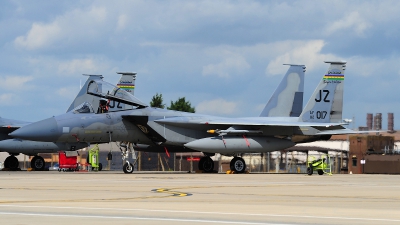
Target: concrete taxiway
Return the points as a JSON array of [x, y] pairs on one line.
[[177, 198]]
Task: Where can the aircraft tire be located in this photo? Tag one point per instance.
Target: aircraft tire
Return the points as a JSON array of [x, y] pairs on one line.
[[310, 171], [201, 163], [320, 172], [207, 164], [6, 164], [127, 168], [11, 162], [37, 163], [238, 165]]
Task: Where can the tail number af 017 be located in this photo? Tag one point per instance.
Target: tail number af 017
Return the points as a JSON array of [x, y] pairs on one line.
[[319, 114]]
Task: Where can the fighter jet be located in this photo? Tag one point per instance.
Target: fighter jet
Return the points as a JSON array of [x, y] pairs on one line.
[[135, 125], [17, 146], [228, 136]]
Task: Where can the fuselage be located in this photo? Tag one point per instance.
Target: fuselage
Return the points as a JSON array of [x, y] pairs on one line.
[[144, 126]]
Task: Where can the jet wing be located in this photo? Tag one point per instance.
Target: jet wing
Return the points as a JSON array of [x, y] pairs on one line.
[[10, 125], [142, 123], [8, 129]]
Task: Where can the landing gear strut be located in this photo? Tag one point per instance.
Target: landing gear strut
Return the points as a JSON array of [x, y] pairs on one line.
[[125, 150], [11, 162], [238, 165], [37, 163]]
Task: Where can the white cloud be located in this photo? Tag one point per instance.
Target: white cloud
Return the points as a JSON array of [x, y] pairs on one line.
[[305, 52], [353, 21], [217, 106], [8, 99], [70, 26], [122, 22], [374, 67], [39, 36], [66, 92], [79, 65], [232, 63], [14, 82], [226, 67]]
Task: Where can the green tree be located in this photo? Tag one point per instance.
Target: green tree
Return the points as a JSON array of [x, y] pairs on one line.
[[157, 101], [181, 105]]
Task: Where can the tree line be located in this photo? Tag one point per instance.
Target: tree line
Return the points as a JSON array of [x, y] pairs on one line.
[[179, 105]]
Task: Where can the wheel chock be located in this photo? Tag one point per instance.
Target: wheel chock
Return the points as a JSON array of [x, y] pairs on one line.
[[234, 172], [29, 169]]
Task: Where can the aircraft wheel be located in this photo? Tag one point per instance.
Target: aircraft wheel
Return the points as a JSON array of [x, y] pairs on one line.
[[100, 167], [37, 163], [127, 168], [320, 172], [310, 171], [11, 162], [238, 165], [201, 163], [6, 164], [207, 164]]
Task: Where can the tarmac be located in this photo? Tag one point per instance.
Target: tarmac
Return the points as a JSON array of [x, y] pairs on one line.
[[112, 197]]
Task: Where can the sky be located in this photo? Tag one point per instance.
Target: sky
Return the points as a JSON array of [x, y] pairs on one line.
[[225, 57]]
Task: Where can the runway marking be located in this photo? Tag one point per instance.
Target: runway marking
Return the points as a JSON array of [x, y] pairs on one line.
[[174, 193], [138, 218], [211, 213]]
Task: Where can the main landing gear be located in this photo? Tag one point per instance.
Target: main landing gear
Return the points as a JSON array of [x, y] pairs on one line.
[[238, 165], [206, 164], [37, 163], [11, 162]]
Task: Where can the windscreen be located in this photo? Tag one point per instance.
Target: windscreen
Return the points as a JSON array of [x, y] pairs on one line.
[[84, 108]]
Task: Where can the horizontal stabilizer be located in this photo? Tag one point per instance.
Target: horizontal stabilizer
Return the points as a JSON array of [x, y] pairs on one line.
[[347, 131]]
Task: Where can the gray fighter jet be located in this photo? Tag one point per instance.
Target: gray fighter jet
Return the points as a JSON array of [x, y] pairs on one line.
[[88, 126], [32, 148], [321, 118]]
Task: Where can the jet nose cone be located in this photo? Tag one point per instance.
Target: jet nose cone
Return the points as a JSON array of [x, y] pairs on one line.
[[45, 130]]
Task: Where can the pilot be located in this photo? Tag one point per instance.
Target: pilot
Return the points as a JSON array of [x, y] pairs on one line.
[[103, 106]]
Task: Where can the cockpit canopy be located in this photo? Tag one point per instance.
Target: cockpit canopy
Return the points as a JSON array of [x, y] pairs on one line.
[[118, 99]]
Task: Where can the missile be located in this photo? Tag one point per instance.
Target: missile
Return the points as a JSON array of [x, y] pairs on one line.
[[235, 144], [234, 131]]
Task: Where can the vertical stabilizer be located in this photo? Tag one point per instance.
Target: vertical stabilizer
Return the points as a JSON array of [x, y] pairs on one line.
[[126, 83], [83, 96], [287, 100], [326, 103]]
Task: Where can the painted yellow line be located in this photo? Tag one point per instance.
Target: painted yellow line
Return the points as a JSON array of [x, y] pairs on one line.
[[174, 193]]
